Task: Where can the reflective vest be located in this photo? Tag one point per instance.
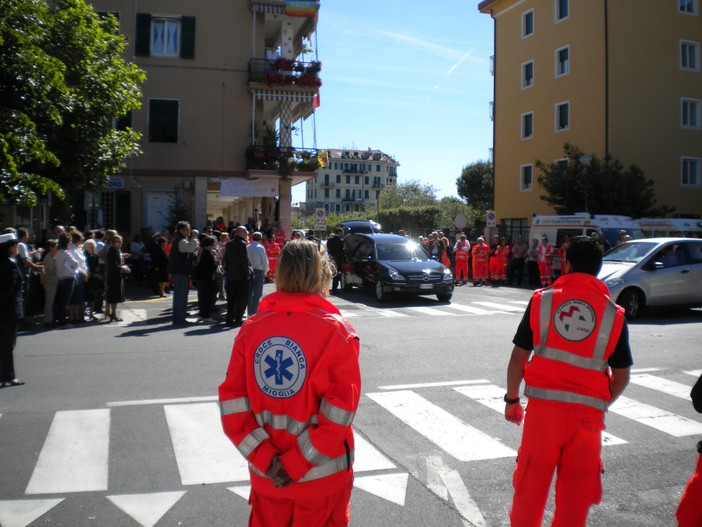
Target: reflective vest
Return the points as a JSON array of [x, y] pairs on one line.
[[292, 388], [545, 253], [576, 327], [462, 250], [480, 252]]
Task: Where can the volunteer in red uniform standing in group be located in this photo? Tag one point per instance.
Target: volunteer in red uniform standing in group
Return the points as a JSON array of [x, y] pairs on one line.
[[461, 252], [545, 261], [580, 365], [290, 396], [480, 262]]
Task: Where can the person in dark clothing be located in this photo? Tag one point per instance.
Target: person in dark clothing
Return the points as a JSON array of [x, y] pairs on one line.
[[10, 307], [159, 265], [115, 271], [236, 268], [335, 246], [206, 277]]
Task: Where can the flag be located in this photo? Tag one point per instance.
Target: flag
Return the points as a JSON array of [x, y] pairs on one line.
[[301, 8], [323, 158], [315, 100]]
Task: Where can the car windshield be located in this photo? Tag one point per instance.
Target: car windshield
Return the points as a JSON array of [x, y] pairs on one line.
[[406, 252], [629, 252]]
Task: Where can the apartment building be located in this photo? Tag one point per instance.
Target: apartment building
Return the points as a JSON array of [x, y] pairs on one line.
[[226, 82], [351, 181], [617, 76]]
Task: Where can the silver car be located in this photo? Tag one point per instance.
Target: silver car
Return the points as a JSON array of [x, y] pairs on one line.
[[654, 272]]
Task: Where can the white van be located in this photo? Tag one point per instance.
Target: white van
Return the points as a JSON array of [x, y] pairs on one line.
[[666, 227], [582, 223]]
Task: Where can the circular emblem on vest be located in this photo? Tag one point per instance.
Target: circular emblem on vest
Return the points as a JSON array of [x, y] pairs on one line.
[[280, 367], [575, 320]]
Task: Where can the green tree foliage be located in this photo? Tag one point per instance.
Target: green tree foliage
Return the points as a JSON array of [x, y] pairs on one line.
[[409, 194], [476, 185], [597, 185], [63, 83]]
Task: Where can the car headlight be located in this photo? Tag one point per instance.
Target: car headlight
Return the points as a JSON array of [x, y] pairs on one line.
[[394, 275], [614, 282], [448, 276]]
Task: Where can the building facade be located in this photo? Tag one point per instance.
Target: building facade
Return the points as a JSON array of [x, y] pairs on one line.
[[226, 81], [351, 181], [608, 76]]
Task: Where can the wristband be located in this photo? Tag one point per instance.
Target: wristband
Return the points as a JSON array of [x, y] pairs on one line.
[[510, 401]]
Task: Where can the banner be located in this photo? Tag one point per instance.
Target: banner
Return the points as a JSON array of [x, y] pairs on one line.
[[323, 158], [301, 8], [243, 188]]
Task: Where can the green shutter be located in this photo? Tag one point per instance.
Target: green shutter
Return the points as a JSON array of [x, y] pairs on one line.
[[187, 37], [143, 35]]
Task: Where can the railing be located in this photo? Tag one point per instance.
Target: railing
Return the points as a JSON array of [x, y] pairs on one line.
[[284, 160], [284, 72]]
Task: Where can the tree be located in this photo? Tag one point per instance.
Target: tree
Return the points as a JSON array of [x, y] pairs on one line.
[[476, 185], [63, 84], [597, 185], [409, 194]]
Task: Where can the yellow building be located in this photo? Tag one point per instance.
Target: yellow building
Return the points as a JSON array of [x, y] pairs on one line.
[[226, 83], [617, 76]]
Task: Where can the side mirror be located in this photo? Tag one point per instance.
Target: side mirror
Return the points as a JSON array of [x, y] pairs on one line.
[[657, 265]]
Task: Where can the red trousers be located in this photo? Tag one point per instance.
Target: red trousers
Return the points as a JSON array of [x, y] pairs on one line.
[[689, 512], [333, 510], [558, 437], [480, 270], [461, 270], [546, 273]]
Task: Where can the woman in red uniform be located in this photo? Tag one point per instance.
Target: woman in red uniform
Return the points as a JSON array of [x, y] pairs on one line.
[[290, 396]]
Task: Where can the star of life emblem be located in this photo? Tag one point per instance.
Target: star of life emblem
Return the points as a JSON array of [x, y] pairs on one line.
[[280, 367], [574, 320]]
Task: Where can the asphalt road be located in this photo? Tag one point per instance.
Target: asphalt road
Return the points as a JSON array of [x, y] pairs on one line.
[[118, 424]]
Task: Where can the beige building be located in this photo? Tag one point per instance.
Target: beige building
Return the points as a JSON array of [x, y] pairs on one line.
[[351, 181], [226, 83], [617, 76]]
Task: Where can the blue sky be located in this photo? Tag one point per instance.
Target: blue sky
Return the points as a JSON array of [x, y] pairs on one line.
[[409, 78]]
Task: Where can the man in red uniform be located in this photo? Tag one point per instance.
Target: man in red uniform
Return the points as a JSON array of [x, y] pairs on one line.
[[689, 513], [545, 261], [480, 262], [580, 365], [493, 261], [461, 252], [290, 396]]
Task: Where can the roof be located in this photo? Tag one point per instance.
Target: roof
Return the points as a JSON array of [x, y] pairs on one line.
[[361, 155], [485, 4]]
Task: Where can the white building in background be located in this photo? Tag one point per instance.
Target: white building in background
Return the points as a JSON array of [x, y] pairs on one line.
[[351, 181]]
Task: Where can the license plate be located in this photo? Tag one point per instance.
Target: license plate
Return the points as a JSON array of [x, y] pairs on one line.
[[426, 286]]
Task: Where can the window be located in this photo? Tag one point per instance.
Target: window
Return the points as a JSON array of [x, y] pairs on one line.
[[527, 74], [527, 125], [366, 179], [691, 113], [688, 6], [562, 116], [338, 178], [366, 193], [338, 193], [528, 23], [690, 172], [163, 121], [689, 55], [348, 180], [562, 61], [165, 36], [525, 177], [356, 180], [377, 168], [326, 192], [561, 10]]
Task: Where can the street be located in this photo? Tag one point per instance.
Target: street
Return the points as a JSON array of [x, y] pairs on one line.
[[118, 423]]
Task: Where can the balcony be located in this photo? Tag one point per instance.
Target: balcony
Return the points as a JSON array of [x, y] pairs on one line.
[[284, 73], [285, 161]]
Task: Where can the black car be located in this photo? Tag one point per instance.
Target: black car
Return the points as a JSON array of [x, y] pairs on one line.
[[393, 264], [360, 226]]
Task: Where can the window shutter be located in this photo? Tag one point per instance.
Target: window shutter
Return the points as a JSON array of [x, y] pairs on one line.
[[187, 37], [143, 35]]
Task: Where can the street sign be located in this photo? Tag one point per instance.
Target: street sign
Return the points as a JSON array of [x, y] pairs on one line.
[[460, 221], [491, 219], [320, 220]]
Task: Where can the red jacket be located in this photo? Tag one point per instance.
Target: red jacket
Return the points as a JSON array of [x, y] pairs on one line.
[[292, 389], [480, 252], [576, 327]]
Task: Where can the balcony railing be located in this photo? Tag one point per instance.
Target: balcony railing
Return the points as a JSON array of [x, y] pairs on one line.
[[282, 160], [284, 72]]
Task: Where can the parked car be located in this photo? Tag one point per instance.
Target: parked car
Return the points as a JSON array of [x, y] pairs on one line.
[[654, 272], [392, 264], [360, 226]]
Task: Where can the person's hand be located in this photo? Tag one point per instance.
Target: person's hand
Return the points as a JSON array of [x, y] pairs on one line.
[[277, 474], [514, 413]]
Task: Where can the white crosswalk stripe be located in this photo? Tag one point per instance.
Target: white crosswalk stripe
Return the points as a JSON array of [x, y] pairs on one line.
[[473, 308], [676, 389], [662, 420], [431, 311]]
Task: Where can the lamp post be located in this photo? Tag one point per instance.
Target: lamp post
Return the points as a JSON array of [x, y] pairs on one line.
[[585, 162]]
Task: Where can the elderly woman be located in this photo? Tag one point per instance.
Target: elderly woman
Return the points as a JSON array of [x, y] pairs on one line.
[[66, 270], [115, 271], [10, 307], [290, 396]]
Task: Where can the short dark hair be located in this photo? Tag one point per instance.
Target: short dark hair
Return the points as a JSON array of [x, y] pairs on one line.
[[584, 255]]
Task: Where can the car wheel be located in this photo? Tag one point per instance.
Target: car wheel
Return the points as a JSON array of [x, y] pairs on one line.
[[633, 303], [444, 297], [345, 286], [380, 291]]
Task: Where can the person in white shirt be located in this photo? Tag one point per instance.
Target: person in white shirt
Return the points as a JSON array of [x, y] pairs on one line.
[[259, 262]]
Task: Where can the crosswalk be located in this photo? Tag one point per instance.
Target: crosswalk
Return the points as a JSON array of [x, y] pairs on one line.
[[354, 310], [76, 454]]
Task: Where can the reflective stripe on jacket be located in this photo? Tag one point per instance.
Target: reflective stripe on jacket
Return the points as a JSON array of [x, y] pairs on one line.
[[292, 389], [576, 327], [481, 252]]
